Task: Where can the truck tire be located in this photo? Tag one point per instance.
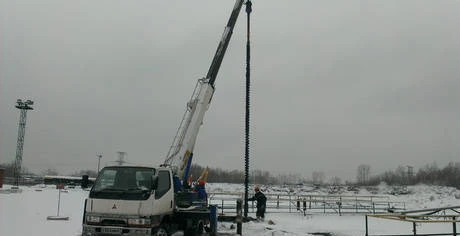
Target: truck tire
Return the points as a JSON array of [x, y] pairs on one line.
[[160, 231], [196, 230], [200, 228]]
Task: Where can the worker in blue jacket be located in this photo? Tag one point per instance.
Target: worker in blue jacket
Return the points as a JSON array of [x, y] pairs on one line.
[[200, 189]]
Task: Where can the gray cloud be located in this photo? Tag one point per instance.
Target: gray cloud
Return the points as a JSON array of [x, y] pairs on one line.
[[335, 83]]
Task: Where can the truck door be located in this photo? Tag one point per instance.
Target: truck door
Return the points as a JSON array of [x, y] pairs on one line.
[[164, 194]]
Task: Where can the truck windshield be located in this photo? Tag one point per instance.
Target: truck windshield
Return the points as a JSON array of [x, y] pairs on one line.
[[123, 182]]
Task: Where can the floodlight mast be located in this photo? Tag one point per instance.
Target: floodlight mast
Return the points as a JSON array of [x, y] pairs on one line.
[[23, 106]]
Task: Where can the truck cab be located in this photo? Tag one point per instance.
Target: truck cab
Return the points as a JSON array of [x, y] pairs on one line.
[[128, 200]]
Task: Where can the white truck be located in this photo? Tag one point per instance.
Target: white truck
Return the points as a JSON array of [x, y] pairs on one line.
[[147, 200]]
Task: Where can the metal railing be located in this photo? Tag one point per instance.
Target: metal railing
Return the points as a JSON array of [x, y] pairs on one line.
[[309, 204], [417, 221]]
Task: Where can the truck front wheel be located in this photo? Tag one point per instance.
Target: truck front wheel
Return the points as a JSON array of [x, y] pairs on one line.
[[160, 231]]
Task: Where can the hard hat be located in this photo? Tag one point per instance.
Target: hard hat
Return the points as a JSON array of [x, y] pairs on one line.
[[201, 182], [256, 188]]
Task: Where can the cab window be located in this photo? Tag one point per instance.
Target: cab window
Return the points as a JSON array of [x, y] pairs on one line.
[[164, 184]]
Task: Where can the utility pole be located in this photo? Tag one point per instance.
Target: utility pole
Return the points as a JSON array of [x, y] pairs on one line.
[[410, 174], [121, 157], [23, 107], [98, 162]]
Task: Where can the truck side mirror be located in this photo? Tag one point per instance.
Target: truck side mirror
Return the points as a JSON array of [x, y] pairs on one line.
[[154, 182]]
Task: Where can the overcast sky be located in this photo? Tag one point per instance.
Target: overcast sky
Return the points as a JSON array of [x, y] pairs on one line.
[[335, 84]]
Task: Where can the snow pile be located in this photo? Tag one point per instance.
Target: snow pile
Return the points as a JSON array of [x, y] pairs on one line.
[[425, 196]]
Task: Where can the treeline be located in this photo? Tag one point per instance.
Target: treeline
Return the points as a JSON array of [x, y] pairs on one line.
[[219, 175], [429, 174], [8, 171], [402, 175]]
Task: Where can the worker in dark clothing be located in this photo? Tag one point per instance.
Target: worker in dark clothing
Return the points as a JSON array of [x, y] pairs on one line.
[[261, 203]]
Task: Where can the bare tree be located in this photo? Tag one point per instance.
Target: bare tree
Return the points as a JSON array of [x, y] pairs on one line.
[[8, 168], [317, 177], [336, 180], [363, 172]]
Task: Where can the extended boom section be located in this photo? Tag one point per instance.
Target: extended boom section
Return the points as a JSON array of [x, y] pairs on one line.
[[222, 48], [181, 151], [185, 139]]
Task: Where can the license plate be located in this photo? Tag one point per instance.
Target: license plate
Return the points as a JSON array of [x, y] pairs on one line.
[[111, 230]]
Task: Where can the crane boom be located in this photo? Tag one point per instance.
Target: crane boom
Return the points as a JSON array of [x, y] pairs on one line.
[[181, 151], [222, 48]]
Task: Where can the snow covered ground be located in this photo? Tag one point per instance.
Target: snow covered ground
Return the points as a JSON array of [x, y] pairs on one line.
[[25, 213]]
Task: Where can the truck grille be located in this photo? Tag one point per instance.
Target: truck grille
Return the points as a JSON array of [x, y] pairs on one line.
[[112, 222]]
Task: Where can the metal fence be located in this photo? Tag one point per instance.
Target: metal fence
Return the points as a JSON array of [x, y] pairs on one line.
[[309, 204], [416, 221]]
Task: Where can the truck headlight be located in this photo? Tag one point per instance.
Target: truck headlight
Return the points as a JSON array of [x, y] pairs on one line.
[[93, 219], [139, 222]]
